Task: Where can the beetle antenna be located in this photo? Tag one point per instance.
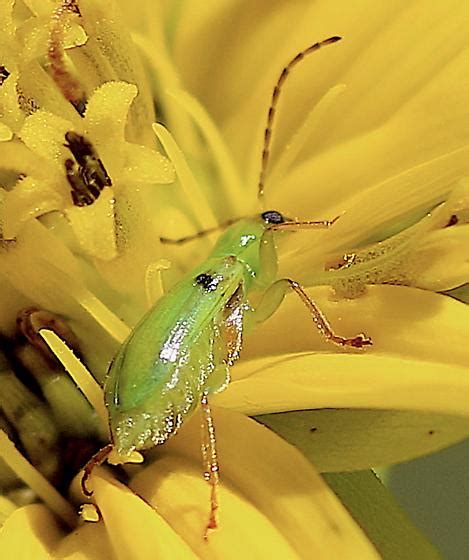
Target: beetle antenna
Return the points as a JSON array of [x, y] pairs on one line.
[[274, 101]]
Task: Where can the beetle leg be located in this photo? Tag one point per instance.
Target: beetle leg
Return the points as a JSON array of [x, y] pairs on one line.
[[272, 299], [210, 458], [323, 325], [96, 460]]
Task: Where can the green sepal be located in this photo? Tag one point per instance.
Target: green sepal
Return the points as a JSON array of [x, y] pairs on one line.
[[357, 439]]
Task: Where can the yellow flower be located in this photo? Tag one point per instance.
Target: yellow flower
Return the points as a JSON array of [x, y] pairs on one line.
[[372, 129]]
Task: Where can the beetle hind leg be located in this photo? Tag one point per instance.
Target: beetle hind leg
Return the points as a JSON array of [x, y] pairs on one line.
[[211, 466]]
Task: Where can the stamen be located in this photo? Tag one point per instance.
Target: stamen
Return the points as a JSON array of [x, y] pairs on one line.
[[32, 478], [78, 372], [70, 87], [31, 320], [154, 287], [228, 173], [104, 316], [101, 314], [72, 412], [194, 195]]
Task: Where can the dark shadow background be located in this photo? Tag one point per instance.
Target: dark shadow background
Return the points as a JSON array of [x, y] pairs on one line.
[[434, 491]]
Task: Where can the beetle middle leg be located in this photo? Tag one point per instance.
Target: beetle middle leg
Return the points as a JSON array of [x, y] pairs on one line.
[[96, 460], [273, 297]]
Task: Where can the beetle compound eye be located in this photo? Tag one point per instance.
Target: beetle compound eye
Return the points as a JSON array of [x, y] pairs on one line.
[[272, 217], [208, 282]]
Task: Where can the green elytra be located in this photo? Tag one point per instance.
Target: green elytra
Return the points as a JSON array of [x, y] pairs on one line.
[[182, 349]]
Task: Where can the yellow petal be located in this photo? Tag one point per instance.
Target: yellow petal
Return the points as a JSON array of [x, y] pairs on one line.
[[143, 165], [7, 507], [268, 474], [5, 133], [403, 323], [30, 532], [89, 542], [403, 106], [366, 210], [177, 488], [107, 110], [44, 133], [29, 199], [41, 7], [442, 258], [16, 156], [35, 271], [305, 381], [134, 528]]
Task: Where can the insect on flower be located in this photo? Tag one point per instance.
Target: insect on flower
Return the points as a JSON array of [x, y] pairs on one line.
[[182, 350]]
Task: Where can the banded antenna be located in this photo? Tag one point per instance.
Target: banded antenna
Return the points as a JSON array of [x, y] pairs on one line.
[[274, 101]]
